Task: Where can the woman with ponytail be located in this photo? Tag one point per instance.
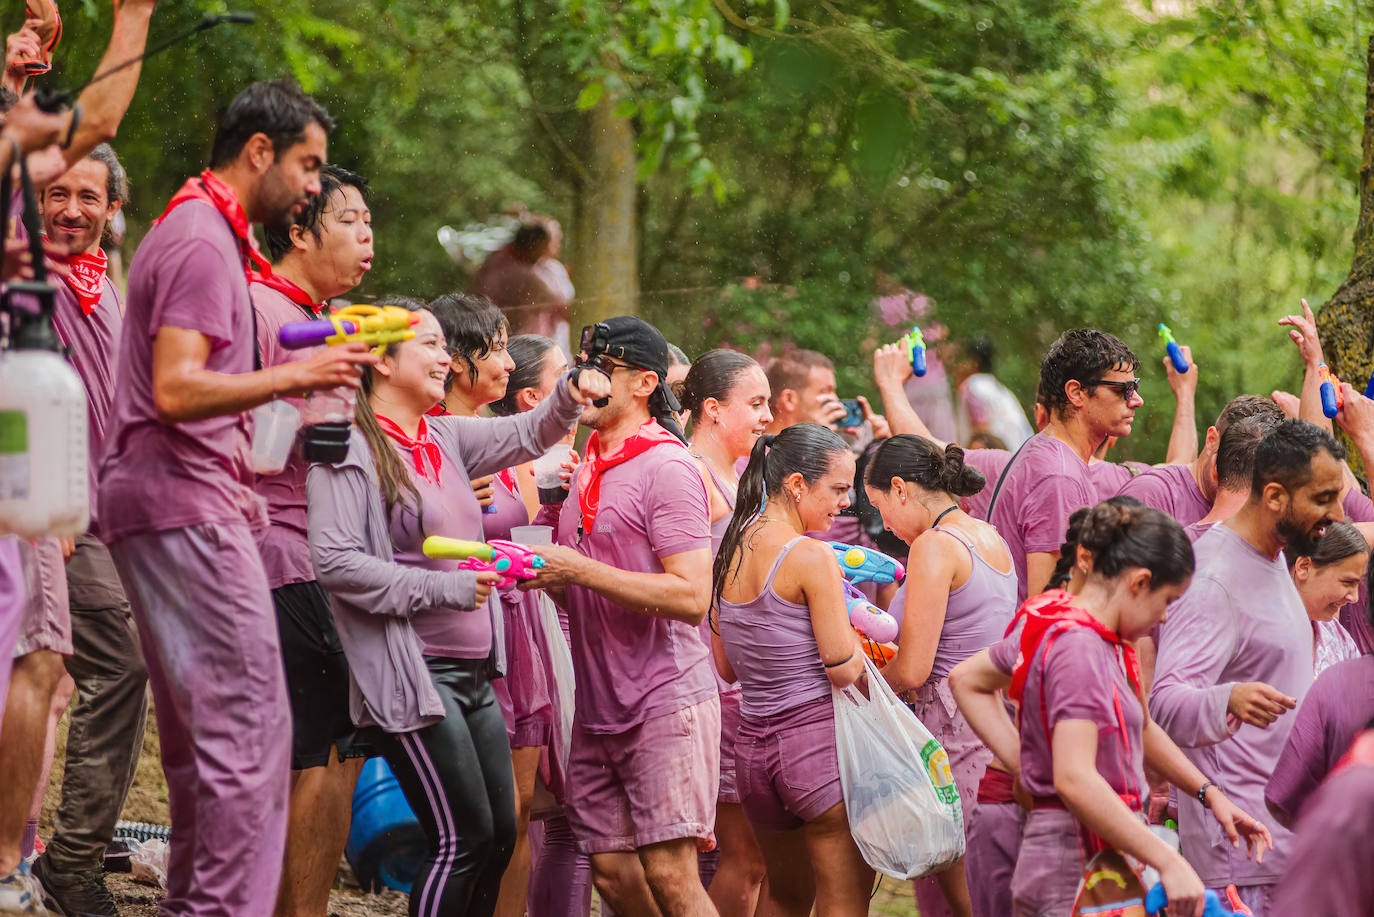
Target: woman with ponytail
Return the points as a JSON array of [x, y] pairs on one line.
[[958, 598], [1084, 732], [421, 640], [726, 394], [784, 631]]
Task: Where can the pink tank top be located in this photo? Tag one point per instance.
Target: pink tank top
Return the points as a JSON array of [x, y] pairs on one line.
[[773, 649], [727, 691]]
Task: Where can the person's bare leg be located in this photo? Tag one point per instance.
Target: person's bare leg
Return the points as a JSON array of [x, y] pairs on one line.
[[735, 889], [61, 697], [844, 882], [790, 888], [619, 879], [670, 868], [515, 881], [954, 886], [27, 707], [321, 808]]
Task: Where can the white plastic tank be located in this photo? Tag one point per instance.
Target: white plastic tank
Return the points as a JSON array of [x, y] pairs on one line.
[[44, 480]]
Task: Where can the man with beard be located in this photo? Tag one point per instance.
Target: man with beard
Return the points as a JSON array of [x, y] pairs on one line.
[[1232, 658], [324, 254], [177, 506], [632, 566]]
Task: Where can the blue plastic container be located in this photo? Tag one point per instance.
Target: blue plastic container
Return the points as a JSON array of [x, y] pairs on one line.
[[386, 844]]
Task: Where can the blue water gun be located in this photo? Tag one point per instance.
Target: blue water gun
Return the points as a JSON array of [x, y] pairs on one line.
[[915, 344], [1156, 901], [865, 565], [1332, 399], [1369, 387], [1171, 346]]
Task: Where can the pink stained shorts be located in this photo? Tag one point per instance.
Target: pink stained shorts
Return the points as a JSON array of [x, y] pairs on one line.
[[47, 612], [787, 766], [654, 782]]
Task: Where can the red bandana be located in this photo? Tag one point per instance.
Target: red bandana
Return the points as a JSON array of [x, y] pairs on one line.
[[596, 464], [211, 190], [507, 477], [421, 447], [288, 288], [87, 278], [1050, 610]]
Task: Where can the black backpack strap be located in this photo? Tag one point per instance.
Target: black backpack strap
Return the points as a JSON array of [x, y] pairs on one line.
[[1002, 478]]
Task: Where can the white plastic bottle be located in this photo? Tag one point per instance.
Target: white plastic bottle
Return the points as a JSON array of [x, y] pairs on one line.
[[44, 479]]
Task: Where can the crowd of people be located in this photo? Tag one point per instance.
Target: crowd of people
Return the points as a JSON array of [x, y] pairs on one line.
[[1099, 647]]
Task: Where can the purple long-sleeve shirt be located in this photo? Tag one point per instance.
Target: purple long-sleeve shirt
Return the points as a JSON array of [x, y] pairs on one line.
[[1240, 621]]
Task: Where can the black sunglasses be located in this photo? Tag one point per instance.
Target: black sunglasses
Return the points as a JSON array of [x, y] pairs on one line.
[[1127, 389]]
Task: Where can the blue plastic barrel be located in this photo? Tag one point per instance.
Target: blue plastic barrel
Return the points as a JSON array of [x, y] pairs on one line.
[[386, 844]]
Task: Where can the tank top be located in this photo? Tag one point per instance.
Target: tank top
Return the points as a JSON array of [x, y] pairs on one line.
[[728, 691], [976, 615], [772, 647]]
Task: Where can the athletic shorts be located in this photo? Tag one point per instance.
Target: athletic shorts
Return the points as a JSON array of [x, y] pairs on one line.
[[654, 782], [787, 766], [316, 678], [47, 612]]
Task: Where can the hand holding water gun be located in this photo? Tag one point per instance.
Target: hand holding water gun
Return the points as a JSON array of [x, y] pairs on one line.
[[511, 561], [865, 565], [1174, 351], [1333, 399], [376, 326], [1156, 901], [914, 343], [868, 619]]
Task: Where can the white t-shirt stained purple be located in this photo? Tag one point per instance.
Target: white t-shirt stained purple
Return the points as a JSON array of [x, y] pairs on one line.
[[1170, 489]]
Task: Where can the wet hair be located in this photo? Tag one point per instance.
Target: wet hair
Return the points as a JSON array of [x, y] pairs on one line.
[[791, 370], [1122, 537], [1236, 450], [676, 356], [985, 440], [278, 108], [713, 375], [1082, 355], [1063, 568], [116, 180], [1285, 456], [1245, 406], [980, 351], [471, 326], [332, 178], [808, 449], [533, 233], [922, 462], [1340, 541], [393, 480], [529, 353]]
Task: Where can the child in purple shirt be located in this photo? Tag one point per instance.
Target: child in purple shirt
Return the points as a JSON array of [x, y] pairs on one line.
[[1083, 731]]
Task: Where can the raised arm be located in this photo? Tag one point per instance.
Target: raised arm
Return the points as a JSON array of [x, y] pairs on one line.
[[491, 444], [1303, 332], [890, 372], [104, 102], [1183, 437]]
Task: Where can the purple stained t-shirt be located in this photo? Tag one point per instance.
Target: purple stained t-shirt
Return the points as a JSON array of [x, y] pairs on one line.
[[155, 476], [1081, 679], [1170, 489], [989, 462], [1329, 870], [1109, 477], [631, 666], [283, 545], [450, 508], [1241, 620], [1046, 483], [1338, 708], [1355, 616]]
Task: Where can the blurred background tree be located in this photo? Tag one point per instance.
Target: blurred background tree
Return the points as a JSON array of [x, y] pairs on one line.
[[742, 171]]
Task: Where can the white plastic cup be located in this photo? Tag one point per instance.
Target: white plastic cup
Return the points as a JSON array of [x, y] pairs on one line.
[[532, 535], [274, 431], [547, 470]]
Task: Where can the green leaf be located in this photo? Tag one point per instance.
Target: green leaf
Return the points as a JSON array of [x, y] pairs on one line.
[[589, 96]]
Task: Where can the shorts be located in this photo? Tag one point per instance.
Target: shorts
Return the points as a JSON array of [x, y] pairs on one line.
[[316, 678], [1049, 866], [47, 611], [787, 766], [654, 782]]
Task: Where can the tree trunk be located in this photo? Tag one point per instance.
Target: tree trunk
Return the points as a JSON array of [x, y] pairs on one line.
[[605, 245], [1346, 323]]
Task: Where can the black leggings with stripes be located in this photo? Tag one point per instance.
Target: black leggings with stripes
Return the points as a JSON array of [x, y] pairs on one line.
[[456, 775]]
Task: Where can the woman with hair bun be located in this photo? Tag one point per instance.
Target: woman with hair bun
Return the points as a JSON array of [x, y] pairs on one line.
[[784, 630], [726, 394], [958, 598], [1084, 731]]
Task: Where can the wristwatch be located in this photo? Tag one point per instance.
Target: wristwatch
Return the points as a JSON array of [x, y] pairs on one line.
[[1202, 791]]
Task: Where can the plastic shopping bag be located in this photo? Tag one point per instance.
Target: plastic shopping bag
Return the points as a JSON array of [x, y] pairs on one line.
[[561, 664], [899, 791]]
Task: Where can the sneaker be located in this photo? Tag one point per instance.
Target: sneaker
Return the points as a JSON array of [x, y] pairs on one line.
[[74, 894], [16, 896]]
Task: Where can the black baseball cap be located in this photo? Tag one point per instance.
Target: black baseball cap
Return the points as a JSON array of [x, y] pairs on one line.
[[635, 341]]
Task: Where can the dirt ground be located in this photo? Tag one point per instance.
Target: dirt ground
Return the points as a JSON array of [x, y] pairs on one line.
[[147, 802]]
